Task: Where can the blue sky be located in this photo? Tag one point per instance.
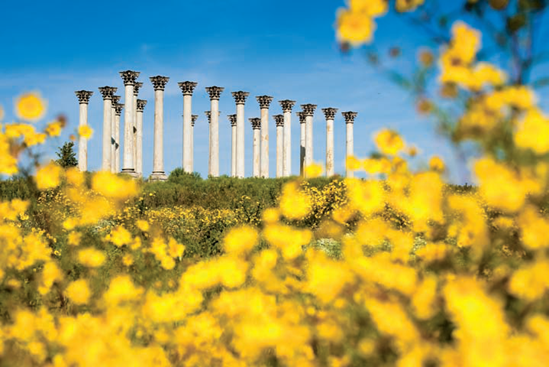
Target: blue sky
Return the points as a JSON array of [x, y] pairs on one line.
[[282, 48]]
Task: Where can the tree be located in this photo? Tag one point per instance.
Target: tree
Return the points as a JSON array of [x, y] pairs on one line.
[[67, 156]]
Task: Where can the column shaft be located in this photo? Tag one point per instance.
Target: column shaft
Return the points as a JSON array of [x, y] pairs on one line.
[[279, 151], [107, 135], [287, 152], [139, 144], [350, 146], [329, 147], [233, 150], [158, 156], [302, 139], [113, 140], [187, 134], [240, 140], [308, 140], [134, 132], [128, 163], [83, 142], [117, 143], [214, 138], [264, 142], [256, 153]]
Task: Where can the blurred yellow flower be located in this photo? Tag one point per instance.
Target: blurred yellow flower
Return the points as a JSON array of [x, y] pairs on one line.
[[533, 132], [240, 240], [30, 106], [120, 236], [54, 128], [78, 292], [372, 8], [389, 142], [313, 170], [143, 225], [353, 163], [436, 164], [113, 186], [407, 5], [91, 257], [354, 27], [49, 176], [85, 131], [294, 203]]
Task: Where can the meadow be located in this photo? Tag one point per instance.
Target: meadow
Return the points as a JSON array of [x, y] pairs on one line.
[[398, 269]]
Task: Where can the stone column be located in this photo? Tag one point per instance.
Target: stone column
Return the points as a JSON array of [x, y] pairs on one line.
[[140, 107], [115, 165], [256, 126], [232, 120], [136, 88], [116, 135], [240, 99], [129, 77], [107, 93], [264, 102], [187, 89], [287, 106], [159, 83], [279, 120], [83, 100], [193, 120], [329, 113], [308, 110], [349, 121], [302, 136], [210, 144], [215, 94]]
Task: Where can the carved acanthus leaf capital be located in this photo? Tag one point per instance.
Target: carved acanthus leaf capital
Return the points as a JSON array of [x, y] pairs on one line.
[[115, 100], [256, 123], [107, 92], [159, 82], [214, 92], [232, 119], [118, 108], [240, 97], [141, 103], [308, 109], [136, 88], [349, 116], [187, 87], [193, 119], [264, 101], [329, 113], [209, 115], [83, 96], [301, 116], [129, 76], [287, 105], [279, 120]]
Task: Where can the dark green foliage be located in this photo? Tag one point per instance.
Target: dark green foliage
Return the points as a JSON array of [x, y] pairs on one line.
[[67, 156]]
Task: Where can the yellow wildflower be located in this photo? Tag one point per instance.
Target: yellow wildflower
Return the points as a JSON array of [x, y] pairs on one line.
[[50, 274], [372, 8], [436, 164], [54, 128], [354, 27], [294, 203], [407, 5], [91, 257], [533, 132], [79, 292], [389, 142], [85, 131], [49, 176], [120, 236], [143, 225], [313, 170], [112, 186], [30, 106], [352, 163], [74, 238], [240, 240]]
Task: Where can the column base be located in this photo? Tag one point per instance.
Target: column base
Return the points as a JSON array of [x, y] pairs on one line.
[[158, 176], [130, 172]]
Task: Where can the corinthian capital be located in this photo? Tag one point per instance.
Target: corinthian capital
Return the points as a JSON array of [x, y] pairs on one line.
[[136, 88], [279, 120], [107, 92], [232, 119], [240, 97], [115, 100], [308, 109], [118, 108], [193, 119], [301, 116], [329, 113], [264, 101], [349, 116], [209, 115], [287, 105], [159, 82], [141, 103], [129, 76], [214, 92], [187, 87], [83, 96], [256, 123]]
